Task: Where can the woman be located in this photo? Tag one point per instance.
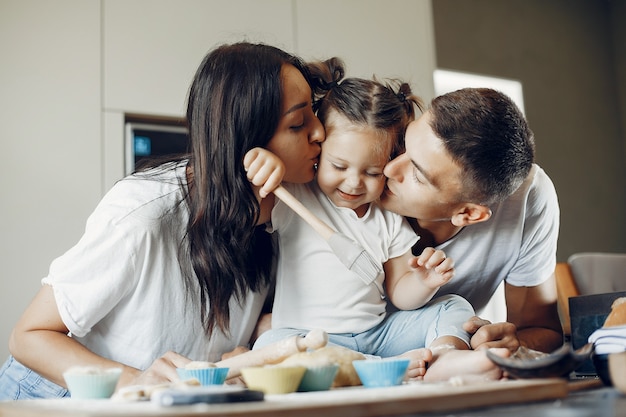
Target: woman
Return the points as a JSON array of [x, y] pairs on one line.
[[173, 265]]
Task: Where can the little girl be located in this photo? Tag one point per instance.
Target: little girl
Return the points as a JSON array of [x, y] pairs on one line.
[[365, 122]]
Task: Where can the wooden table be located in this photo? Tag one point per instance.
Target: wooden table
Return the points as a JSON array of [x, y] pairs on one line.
[[406, 399]]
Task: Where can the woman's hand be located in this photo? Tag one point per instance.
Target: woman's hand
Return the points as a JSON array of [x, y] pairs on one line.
[[236, 351], [264, 170], [161, 371]]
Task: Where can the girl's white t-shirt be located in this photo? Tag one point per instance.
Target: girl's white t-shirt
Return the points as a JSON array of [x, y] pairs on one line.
[[314, 289]]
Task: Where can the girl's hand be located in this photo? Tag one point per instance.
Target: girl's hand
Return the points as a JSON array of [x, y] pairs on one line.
[[264, 170], [434, 267]]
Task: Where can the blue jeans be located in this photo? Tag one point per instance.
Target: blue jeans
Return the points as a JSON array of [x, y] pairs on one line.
[[17, 382], [399, 332]]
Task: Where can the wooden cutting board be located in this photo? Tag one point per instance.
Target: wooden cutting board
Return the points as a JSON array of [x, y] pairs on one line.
[[343, 402]]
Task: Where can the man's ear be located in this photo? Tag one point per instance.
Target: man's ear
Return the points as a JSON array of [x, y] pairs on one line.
[[470, 214]]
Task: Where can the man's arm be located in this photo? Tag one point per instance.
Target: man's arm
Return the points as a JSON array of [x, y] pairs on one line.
[[532, 321], [533, 310]]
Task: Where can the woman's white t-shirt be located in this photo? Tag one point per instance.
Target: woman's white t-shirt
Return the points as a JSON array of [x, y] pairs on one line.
[[120, 290]]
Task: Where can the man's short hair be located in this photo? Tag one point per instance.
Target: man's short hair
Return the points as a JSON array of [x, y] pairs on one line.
[[488, 136]]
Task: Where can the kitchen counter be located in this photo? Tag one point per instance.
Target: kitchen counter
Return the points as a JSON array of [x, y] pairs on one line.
[[592, 402], [537, 398]]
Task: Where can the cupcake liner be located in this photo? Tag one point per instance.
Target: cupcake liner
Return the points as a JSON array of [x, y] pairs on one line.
[[381, 372], [318, 378], [273, 379], [86, 383], [206, 376]]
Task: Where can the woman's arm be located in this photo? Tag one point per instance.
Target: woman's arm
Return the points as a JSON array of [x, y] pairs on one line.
[[40, 342], [412, 281]]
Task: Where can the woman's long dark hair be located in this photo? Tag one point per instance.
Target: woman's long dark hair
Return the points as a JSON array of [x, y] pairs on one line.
[[234, 105]]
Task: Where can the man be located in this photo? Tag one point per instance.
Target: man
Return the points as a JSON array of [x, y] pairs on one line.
[[468, 185]]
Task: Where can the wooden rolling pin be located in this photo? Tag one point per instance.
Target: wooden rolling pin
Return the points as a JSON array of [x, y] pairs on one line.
[[350, 253], [315, 222], [270, 354], [275, 352]]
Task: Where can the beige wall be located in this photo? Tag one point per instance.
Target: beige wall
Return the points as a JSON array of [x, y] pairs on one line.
[[570, 56], [49, 140], [72, 68]]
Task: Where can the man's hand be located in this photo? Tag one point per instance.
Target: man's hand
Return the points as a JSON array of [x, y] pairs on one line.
[[487, 335]]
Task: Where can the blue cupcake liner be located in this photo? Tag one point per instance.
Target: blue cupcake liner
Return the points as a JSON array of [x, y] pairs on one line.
[[381, 372], [206, 376], [318, 378]]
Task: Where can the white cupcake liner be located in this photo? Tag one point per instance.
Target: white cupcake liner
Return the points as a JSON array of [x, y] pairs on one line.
[[89, 383]]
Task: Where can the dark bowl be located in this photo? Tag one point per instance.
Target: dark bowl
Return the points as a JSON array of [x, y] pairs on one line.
[[557, 364], [601, 362]]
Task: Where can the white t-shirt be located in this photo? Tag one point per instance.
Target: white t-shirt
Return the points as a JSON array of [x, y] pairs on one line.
[[313, 288], [517, 244], [120, 291]]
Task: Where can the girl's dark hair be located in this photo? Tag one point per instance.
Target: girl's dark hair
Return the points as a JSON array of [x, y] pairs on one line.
[[488, 136], [387, 107], [233, 106]]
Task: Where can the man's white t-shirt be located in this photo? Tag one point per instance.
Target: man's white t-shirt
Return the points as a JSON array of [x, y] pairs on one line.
[[313, 288], [517, 244], [120, 290]]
